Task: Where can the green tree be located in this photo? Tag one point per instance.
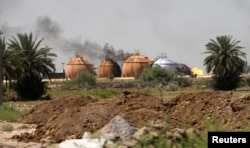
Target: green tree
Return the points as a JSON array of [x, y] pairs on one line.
[[2, 48], [247, 68], [31, 87], [11, 63], [36, 62], [225, 61]]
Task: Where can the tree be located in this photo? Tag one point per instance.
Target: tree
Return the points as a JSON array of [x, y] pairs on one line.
[[35, 61], [225, 61], [246, 68], [31, 88], [2, 48], [11, 63]]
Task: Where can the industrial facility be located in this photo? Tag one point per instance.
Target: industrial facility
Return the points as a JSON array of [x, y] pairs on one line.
[[77, 65], [135, 64], [131, 67], [172, 66], [166, 63], [109, 69]]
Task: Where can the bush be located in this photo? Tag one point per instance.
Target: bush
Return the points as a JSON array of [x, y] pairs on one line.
[[30, 88], [226, 82], [182, 81], [83, 80], [156, 74], [247, 81]]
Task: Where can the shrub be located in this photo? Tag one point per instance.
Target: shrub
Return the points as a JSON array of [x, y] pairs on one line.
[[226, 82], [182, 81], [247, 80], [83, 80], [30, 88], [157, 74]]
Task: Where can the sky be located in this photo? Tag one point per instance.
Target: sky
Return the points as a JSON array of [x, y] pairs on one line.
[[178, 28]]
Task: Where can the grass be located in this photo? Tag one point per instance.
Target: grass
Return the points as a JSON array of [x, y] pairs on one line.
[[161, 93], [247, 128], [193, 141], [8, 128], [106, 93], [23, 127], [99, 93], [10, 114], [166, 94], [163, 138]]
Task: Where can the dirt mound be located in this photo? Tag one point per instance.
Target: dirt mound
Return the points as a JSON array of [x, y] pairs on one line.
[[203, 109], [70, 117], [47, 111]]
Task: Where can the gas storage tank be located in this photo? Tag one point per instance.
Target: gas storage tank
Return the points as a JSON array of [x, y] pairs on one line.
[[135, 64], [76, 66], [184, 69], [166, 63], [150, 61], [109, 69]]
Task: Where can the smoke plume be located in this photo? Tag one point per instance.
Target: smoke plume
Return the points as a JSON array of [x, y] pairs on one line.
[[68, 48], [51, 33]]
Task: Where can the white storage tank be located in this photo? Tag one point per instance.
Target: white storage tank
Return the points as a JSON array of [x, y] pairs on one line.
[[164, 62]]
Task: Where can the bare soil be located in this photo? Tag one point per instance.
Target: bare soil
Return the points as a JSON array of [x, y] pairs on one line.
[[70, 116], [6, 140], [206, 109]]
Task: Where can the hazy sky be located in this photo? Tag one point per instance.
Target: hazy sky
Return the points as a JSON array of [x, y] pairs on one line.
[[179, 28]]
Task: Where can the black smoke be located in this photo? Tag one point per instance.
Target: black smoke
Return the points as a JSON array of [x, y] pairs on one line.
[[67, 48], [51, 32]]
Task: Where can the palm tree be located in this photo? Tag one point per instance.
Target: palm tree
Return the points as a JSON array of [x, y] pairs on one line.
[[8, 64], [35, 62], [11, 64], [2, 48], [225, 61]]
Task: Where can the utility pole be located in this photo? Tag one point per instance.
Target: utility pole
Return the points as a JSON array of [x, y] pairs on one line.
[[1, 69]]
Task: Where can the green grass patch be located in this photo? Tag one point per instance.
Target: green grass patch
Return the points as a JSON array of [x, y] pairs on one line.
[[8, 128], [23, 127], [166, 94], [193, 142], [99, 93], [247, 128], [165, 138], [106, 93], [10, 114]]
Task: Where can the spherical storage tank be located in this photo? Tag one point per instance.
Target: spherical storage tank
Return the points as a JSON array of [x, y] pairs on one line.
[[184, 69], [134, 65], [76, 66], [164, 62], [109, 69]]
